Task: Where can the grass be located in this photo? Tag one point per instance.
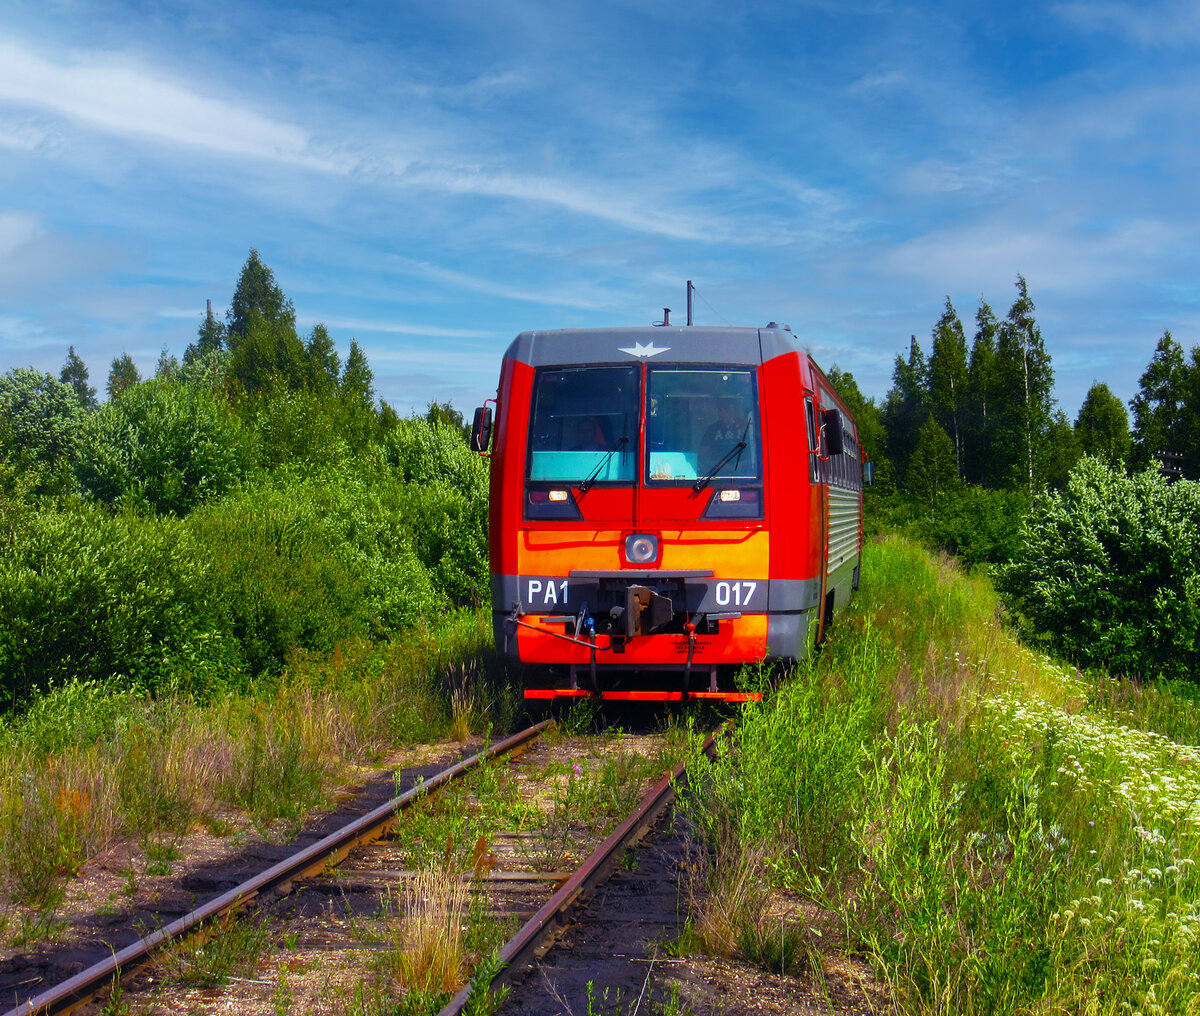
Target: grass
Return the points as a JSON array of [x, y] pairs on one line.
[[233, 950], [994, 832], [88, 764]]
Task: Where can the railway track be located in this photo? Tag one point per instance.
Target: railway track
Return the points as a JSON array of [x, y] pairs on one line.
[[527, 874]]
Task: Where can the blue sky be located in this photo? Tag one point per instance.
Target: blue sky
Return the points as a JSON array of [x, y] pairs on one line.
[[433, 178]]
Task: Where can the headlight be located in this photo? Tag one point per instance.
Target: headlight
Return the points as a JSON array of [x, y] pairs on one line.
[[641, 548], [735, 503]]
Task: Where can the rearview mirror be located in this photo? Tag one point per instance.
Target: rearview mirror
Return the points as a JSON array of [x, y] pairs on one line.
[[481, 429]]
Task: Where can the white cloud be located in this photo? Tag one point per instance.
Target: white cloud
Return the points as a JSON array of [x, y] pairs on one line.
[[17, 229], [109, 93], [1169, 24], [362, 325], [1053, 254], [582, 296]]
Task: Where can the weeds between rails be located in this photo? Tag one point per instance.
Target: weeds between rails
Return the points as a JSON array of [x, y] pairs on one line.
[[429, 946]]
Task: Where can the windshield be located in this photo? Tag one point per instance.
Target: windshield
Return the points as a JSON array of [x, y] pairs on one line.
[[584, 426], [701, 425]]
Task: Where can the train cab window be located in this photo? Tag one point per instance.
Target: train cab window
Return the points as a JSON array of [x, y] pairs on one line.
[[702, 424], [584, 425]]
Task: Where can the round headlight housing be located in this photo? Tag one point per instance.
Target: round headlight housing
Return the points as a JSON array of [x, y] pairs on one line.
[[641, 548]]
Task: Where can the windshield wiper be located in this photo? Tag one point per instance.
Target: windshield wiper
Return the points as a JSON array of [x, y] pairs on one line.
[[591, 478], [737, 450]]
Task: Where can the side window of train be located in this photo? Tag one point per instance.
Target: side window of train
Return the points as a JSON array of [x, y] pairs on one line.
[[813, 449]]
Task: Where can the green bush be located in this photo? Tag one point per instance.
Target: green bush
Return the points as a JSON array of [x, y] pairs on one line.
[[305, 558], [40, 424], [166, 447], [448, 499], [93, 596], [976, 524], [1109, 571], [308, 562]]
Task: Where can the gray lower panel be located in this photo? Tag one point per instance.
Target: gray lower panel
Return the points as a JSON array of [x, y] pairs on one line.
[[788, 635]]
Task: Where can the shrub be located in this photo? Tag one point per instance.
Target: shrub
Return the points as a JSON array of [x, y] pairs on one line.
[[91, 595], [448, 497], [1109, 571], [164, 447], [40, 424]]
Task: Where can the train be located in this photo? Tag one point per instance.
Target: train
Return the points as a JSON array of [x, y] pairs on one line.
[[667, 504]]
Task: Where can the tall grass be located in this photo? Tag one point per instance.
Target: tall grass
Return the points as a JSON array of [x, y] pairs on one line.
[[959, 812], [87, 765]]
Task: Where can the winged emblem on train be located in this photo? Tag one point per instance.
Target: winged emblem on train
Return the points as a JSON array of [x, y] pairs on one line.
[[649, 349]]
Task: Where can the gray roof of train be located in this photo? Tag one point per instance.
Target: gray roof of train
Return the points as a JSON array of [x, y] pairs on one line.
[[669, 344]]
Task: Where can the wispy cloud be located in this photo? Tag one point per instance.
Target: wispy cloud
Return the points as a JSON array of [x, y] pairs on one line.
[[1170, 24], [110, 93], [16, 230], [1055, 254], [389, 327]]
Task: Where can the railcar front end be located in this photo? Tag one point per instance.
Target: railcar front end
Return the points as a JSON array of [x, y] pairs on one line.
[[667, 504]]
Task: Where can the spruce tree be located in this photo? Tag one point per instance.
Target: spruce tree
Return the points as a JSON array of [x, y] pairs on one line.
[[123, 374], [168, 364], [1159, 406], [1103, 427], [210, 336], [948, 380], [1026, 382], [324, 366], [261, 331], [75, 374], [979, 466], [907, 406], [358, 383], [932, 473]]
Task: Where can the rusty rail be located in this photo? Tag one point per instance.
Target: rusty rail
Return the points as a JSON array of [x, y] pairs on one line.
[[524, 947], [69, 994]]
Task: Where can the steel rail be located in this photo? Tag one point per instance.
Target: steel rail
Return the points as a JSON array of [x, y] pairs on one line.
[[523, 947], [325, 853]]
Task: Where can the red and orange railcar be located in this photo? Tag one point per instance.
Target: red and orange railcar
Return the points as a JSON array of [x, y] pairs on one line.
[[666, 504]]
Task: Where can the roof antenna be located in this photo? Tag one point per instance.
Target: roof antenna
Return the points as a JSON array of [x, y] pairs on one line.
[[666, 318], [691, 291]]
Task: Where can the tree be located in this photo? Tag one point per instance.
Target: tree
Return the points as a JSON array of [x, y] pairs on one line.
[[1158, 407], [1059, 452], [123, 374], [1026, 380], [358, 383], [948, 379], [443, 415], [981, 399], [75, 374], [167, 365], [907, 406], [210, 338], [324, 366], [1103, 427], [261, 331], [1110, 570], [40, 423], [257, 292], [932, 472]]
